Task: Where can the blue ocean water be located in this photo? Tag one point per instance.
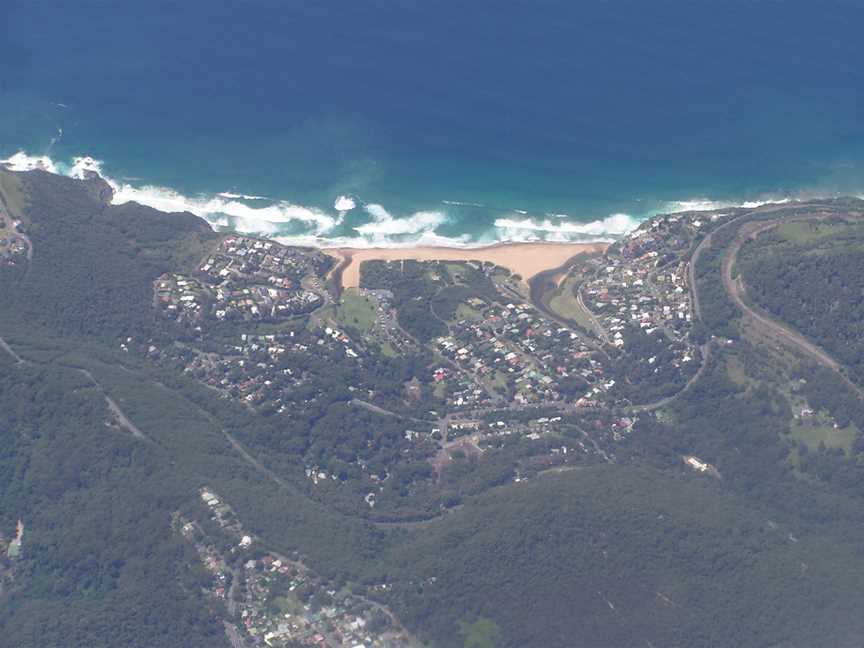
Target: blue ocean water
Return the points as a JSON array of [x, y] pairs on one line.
[[456, 123]]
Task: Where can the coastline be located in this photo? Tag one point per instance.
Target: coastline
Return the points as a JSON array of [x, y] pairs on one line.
[[525, 259]]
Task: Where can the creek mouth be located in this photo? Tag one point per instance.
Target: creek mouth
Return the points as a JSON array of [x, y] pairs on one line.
[[541, 285]]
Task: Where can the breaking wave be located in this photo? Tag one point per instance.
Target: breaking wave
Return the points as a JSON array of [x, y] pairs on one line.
[[462, 203], [225, 209], [283, 220], [385, 224], [704, 204], [607, 229], [315, 226], [344, 203], [228, 194], [428, 239], [20, 161]]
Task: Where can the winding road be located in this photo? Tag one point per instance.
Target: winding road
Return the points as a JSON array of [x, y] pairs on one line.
[[737, 291]]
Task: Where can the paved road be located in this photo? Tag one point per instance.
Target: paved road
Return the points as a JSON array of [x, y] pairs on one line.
[[706, 358], [736, 290], [598, 328]]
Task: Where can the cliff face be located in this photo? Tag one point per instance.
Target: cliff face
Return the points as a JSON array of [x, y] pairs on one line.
[[98, 187]]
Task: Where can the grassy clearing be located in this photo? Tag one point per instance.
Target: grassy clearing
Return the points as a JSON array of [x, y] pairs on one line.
[[388, 350], [810, 231], [13, 196], [798, 232], [466, 312], [666, 415], [823, 237], [500, 380], [456, 270], [820, 429], [564, 302], [439, 391], [289, 604], [736, 371], [356, 311], [809, 430]]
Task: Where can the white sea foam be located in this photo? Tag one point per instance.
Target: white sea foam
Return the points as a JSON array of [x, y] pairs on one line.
[[416, 229], [20, 161], [705, 204], [83, 166], [230, 194], [344, 203], [242, 217], [378, 212], [302, 225], [417, 223], [364, 242], [218, 210], [527, 229], [462, 203]]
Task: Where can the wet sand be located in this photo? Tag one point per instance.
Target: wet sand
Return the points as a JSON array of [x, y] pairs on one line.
[[525, 259]]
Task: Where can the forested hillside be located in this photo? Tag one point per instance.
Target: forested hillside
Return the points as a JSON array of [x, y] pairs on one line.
[[96, 262], [611, 556], [101, 566], [809, 275]]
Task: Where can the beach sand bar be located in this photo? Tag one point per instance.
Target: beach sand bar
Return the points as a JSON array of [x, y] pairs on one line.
[[525, 259]]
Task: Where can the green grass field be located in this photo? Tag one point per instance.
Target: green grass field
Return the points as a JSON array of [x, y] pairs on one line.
[[356, 311], [388, 350], [563, 302], [439, 390], [466, 312], [12, 195], [818, 232], [818, 429]]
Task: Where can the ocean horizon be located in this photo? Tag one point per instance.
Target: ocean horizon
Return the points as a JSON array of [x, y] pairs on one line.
[[379, 126]]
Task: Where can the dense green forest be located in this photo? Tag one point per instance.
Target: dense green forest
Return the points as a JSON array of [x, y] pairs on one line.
[[610, 556], [96, 262], [100, 566]]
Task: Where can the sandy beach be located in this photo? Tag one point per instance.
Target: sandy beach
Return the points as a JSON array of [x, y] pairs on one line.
[[526, 259]]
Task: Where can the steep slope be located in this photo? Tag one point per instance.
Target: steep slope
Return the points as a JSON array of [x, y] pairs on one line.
[[613, 556]]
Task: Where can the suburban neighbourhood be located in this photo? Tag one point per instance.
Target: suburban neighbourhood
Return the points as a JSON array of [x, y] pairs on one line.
[[277, 601], [563, 377]]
